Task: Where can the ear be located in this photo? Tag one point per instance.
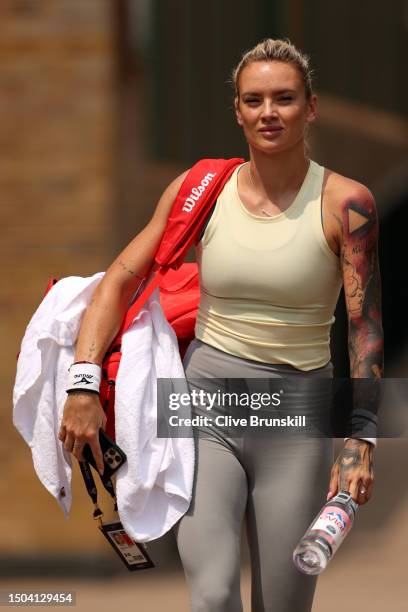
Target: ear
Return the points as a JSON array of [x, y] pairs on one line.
[[237, 111], [312, 109]]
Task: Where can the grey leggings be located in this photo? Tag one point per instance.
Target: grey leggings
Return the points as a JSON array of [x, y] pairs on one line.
[[276, 485]]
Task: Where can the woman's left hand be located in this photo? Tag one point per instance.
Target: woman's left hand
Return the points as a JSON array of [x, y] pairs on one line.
[[353, 471]]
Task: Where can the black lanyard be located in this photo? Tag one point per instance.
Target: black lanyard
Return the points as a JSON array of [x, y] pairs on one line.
[[92, 490]]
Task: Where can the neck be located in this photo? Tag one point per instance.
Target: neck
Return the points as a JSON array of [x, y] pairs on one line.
[[275, 175]]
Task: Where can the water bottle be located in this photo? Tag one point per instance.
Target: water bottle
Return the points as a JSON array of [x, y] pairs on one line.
[[325, 534]]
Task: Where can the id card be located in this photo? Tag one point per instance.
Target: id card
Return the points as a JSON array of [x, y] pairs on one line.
[[133, 554]]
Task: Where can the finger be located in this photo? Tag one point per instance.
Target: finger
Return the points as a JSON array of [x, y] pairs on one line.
[[365, 491], [369, 490], [362, 493], [333, 484], [62, 433], [69, 442], [77, 450], [333, 489], [97, 453], [353, 489], [362, 499]]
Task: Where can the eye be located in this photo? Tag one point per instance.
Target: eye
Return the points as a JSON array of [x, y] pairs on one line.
[[286, 98]]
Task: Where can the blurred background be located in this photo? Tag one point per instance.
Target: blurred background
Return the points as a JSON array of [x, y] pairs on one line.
[[102, 104]]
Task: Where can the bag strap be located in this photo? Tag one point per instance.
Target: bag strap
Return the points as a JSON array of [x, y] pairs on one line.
[[194, 200]]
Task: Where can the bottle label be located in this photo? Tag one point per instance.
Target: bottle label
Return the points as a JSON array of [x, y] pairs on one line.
[[335, 523]]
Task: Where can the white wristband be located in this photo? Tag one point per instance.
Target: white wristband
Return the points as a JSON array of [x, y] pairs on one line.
[[84, 376]]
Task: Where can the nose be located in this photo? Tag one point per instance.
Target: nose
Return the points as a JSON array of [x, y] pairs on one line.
[[269, 110]]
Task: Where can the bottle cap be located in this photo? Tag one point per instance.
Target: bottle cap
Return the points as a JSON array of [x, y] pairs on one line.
[[344, 497]]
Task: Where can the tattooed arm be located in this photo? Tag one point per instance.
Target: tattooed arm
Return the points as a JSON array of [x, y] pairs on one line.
[[362, 285], [358, 230]]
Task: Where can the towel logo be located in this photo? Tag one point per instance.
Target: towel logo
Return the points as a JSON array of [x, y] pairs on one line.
[[197, 192], [83, 379]]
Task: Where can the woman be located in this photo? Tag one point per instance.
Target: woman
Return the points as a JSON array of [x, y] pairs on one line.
[[283, 237]]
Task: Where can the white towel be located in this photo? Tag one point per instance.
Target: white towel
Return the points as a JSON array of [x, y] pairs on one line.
[[154, 486]]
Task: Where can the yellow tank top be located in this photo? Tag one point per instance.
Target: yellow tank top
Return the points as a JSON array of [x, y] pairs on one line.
[[269, 285]]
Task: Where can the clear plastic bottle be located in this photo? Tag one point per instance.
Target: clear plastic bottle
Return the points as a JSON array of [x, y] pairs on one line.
[[325, 534]]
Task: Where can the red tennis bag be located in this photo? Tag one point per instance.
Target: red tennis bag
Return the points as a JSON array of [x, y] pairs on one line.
[[177, 281]]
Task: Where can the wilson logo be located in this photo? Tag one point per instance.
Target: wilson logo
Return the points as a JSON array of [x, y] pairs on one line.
[[197, 192]]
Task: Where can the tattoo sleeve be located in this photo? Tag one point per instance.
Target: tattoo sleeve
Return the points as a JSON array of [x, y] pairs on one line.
[[362, 289], [362, 286]]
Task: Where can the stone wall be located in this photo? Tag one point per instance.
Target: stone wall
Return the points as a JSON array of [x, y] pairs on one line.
[[57, 182]]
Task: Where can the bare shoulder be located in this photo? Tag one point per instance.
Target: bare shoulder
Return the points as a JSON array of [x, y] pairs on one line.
[[166, 200], [341, 191], [347, 206]]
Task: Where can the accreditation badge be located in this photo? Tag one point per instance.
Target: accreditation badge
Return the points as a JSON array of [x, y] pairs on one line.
[[133, 554]]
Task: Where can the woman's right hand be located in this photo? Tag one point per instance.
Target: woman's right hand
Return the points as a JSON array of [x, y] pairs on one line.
[[83, 416]]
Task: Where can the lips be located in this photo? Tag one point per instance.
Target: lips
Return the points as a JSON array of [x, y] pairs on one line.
[[271, 129]]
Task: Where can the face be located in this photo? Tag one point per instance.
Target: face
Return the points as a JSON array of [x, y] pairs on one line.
[[272, 95]]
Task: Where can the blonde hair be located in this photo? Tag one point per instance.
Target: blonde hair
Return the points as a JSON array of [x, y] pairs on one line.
[[275, 49]]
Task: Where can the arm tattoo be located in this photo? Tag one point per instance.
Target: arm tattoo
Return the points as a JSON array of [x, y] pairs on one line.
[[127, 269], [356, 454], [362, 286], [91, 350]]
